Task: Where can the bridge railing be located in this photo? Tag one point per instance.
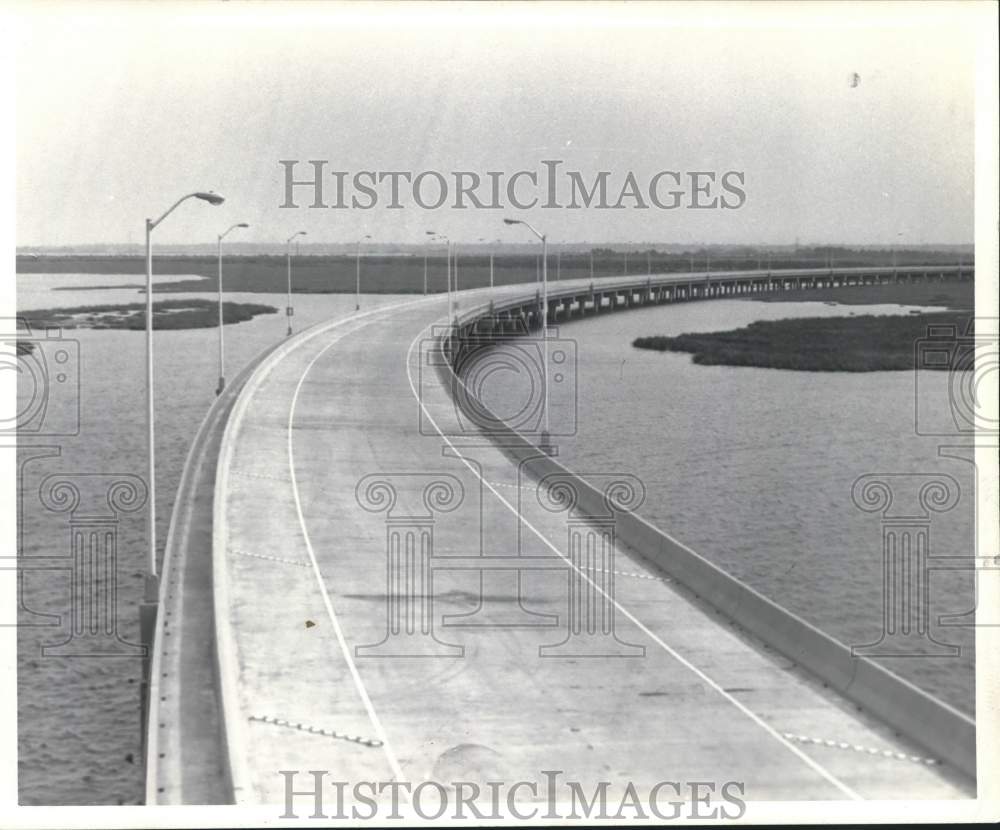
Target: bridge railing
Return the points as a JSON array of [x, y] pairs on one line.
[[932, 724]]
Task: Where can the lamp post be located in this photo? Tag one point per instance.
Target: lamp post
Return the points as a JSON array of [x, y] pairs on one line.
[[222, 353], [545, 325], [288, 260], [425, 269], [481, 239], [447, 265], [592, 263], [152, 587], [357, 273]]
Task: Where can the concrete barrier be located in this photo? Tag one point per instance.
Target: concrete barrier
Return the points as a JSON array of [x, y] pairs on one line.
[[940, 729], [188, 501]]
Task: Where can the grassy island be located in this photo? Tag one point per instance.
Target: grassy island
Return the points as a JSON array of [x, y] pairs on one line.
[[864, 343], [167, 314]]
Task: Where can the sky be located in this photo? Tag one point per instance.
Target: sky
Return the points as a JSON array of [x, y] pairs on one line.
[[849, 124]]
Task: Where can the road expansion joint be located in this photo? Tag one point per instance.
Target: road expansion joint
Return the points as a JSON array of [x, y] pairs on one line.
[[269, 558], [316, 730], [868, 750]]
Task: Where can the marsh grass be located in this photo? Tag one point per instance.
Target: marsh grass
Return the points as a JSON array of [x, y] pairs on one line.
[[863, 343], [167, 314]]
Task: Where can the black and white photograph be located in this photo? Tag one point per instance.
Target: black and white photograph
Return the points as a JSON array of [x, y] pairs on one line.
[[503, 413]]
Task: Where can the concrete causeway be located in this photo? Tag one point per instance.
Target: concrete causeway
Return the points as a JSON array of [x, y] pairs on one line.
[[391, 594]]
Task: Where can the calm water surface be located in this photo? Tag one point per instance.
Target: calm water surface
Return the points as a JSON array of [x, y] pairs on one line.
[[752, 468], [79, 718]]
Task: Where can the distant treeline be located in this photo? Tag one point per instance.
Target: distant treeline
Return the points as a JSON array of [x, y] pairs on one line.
[[405, 274]]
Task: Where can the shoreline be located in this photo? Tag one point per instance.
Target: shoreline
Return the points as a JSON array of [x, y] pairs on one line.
[[848, 343]]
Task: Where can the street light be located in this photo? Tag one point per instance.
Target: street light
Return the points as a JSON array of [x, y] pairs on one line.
[[498, 242], [447, 264], [481, 239], [222, 360], [545, 323], [288, 258], [425, 268], [357, 263], [151, 581]]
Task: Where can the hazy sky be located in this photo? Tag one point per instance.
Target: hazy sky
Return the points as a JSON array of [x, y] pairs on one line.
[[122, 110]]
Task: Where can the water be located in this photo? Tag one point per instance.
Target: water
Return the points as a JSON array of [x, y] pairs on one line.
[[79, 718], [753, 468]]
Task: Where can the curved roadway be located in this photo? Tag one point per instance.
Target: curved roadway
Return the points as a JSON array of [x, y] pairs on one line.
[[301, 573]]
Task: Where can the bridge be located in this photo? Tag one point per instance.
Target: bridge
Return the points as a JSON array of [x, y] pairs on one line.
[[362, 577]]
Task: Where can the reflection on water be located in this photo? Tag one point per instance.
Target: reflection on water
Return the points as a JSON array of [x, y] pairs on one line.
[[753, 468]]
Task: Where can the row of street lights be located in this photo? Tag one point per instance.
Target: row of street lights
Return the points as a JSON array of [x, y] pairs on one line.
[[215, 199]]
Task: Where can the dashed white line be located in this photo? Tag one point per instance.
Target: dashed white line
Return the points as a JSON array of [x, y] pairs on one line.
[[817, 767]]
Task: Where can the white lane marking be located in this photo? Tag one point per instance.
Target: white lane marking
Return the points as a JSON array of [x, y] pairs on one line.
[[829, 776], [338, 632], [228, 653], [228, 660]]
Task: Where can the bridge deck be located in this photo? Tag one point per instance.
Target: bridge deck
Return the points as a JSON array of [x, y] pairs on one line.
[[301, 574]]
